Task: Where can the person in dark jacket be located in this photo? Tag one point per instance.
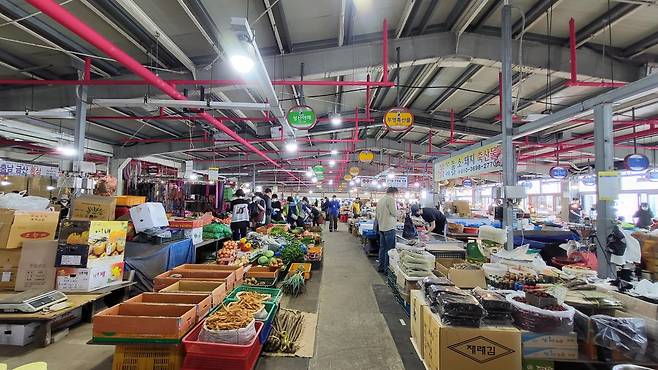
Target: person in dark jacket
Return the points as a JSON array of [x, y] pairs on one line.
[[277, 208], [333, 210], [239, 215], [644, 216], [267, 197]]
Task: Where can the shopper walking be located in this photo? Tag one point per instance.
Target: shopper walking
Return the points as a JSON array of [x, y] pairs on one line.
[[267, 197], [356, 207], [239, 215], [387, 218], [257, 211], [333, 210], [291, 212], [643, 217], [277, 209]]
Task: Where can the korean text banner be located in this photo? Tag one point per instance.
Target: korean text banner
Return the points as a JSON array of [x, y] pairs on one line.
[[8, 168], [485, 159]]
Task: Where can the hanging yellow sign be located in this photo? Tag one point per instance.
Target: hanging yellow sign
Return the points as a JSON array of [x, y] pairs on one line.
[[354, 171], [398, 119], [347, 177], [366, 156]]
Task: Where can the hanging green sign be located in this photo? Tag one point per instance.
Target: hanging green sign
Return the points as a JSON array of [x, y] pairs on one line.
[[301, 117], [318, 169]]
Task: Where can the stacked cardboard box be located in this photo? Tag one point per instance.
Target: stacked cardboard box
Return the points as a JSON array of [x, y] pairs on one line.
[[17, 227], [543, 346], [90, 254]]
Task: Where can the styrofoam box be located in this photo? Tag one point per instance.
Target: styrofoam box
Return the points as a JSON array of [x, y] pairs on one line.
[[17, 334], [148, 216]]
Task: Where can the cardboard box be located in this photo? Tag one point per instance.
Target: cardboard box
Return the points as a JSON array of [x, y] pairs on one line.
[[466, 279], [485, 348], [93, 207], [129, 200], [195, 234], [17, 334], [85, 243], [418, 303], [10, 257], [144, 320], [545, 340], [148, 216], [8, 278], [185, 223], [169, 277], [36, 270], [215, 289], [18, 226], [636, 306], [239, 270], [203, 302], [75, 279], [547, 353]]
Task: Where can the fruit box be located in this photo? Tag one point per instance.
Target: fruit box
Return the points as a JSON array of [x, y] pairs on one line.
[[263, 272], [215, 289], [169, 277], [184, 223], [202, 301], [239, 270], [144, 321]]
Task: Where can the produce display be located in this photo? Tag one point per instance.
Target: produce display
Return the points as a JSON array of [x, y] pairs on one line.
[[286, 331], [294, 284], [216, 231], [553, 319]]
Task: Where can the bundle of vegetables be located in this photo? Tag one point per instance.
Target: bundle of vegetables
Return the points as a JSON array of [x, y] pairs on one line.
[[293, 251], [294, 284], [216, 231], [286, 331], [279, 230], [268, 259]]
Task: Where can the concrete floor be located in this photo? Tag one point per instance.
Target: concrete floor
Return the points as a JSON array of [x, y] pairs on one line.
[[353, 325]]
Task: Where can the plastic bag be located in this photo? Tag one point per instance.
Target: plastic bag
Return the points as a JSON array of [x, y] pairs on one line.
[[18, 202], [626, 334], [240, 336], [540, 320], [492, 302]]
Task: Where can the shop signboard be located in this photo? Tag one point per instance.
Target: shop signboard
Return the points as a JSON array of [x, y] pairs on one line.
[[301, 117], [589, 180], [9, 168], [636, 162], [467, 183], [558, 172], [366, 156], [398, 119], [487, 158], [397, 182]]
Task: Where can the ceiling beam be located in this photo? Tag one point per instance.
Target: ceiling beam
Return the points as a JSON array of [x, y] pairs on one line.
[[534, 15], [425, 49], [424, 20], [408, 12], [488, 12], [601, 23], [641, 46], [282, 41], [484, 100], [24, 67], [161, 37], [467, 13], [41, 30], [469, 73]]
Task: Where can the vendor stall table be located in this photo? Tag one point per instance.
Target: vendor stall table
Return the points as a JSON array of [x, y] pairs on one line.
[[150, 260], [83, 306]]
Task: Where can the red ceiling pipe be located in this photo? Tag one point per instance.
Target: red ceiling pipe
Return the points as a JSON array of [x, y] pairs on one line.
[[385, 53], [574, 65], [68, 20], [452, 131]]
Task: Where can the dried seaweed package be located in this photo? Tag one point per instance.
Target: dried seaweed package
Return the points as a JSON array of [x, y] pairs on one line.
[[492, 301], [469, 322], [425, 282], [434, 290], [459, 304]]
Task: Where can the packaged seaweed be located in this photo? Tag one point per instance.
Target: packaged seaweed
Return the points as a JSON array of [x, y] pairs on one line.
[[492, 301]]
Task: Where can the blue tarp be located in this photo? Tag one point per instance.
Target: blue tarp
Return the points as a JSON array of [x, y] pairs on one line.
[[150, 260]]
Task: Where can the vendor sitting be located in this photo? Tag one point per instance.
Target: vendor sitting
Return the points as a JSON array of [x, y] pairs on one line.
[[432, 216]]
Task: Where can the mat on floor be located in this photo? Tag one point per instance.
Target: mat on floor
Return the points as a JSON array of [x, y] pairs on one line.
[[306, 340]]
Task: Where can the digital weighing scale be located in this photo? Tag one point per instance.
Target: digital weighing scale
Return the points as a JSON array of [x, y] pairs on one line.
[[31, 301]]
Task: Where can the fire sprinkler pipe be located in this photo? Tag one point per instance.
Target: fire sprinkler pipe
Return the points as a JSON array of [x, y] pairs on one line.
[[68, 20], [574, 65]]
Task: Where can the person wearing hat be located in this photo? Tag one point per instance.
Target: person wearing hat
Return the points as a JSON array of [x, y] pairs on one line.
[[432, 216], [387, 219]]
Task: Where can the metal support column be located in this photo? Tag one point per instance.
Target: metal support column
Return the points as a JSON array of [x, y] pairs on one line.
[[509, 162], [604, 161], [80, 123]]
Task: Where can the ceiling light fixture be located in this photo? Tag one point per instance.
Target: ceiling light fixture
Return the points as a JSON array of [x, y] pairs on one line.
[[50, 188], [336, 119], [332, 163], [391, 175], [309, 173], [334, 152], [291, 147], [67, 151], [416, 184], [242, 63], [314, 180], [331, 182], [5, 183]]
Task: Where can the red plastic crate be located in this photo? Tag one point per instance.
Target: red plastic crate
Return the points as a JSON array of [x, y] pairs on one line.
[[195, 362], [219, 350]]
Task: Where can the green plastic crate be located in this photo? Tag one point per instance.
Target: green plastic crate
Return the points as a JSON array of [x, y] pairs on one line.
[[275, 293]]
